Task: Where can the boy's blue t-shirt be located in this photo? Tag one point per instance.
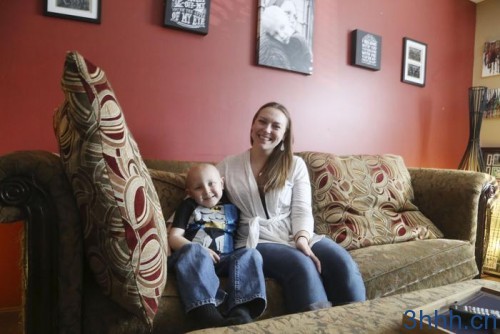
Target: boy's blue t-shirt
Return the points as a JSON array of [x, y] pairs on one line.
[[211, 227]]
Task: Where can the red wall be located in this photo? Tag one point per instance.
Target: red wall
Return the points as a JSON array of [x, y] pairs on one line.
[[188, 96]]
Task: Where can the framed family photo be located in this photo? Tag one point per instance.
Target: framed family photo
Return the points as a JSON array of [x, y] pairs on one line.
[[285, 34], [188, 15], [414, 62], [81, 10]]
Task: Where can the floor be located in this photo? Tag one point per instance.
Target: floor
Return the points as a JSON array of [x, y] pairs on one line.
[[490, 277]]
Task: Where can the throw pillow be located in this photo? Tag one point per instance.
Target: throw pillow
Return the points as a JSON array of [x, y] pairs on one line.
[[364, 200], [125, 235]]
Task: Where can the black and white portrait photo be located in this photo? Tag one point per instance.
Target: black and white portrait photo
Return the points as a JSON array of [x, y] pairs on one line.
[[414, 62], [285, 34]]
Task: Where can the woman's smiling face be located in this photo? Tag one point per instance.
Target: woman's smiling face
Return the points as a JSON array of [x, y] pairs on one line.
[[268, 128]]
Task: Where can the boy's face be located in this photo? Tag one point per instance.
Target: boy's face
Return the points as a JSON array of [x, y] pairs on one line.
[[205, 185]]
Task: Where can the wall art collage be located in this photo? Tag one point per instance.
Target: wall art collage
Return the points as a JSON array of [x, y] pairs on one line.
[[285, 35]]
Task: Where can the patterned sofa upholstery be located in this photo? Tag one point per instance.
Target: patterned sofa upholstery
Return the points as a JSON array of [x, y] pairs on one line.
[[62, 295]]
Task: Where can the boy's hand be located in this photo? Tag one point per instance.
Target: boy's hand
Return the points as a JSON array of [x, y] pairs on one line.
[[176, 240]]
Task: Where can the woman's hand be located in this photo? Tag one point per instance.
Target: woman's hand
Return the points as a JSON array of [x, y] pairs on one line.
[[215, 257], [302, 244]]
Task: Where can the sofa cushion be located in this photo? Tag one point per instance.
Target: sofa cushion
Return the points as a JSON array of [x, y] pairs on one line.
[[364, 200], [414, 265], [171, 190], [125, 235]]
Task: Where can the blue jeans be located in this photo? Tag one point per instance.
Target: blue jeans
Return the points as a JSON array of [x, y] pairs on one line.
[[304, 288], [198, 281]]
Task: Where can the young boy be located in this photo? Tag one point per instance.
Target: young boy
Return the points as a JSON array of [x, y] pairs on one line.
[[202, 240]]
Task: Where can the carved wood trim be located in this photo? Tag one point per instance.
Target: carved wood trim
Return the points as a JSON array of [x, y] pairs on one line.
[[39, 254]]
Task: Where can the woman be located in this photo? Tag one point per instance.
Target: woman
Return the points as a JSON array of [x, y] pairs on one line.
[[271, 188]]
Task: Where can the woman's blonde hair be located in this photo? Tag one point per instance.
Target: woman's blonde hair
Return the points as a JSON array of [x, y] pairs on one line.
[[278, 166]]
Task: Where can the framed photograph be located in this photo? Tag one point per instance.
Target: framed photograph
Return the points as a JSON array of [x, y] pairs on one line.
[[81, 10], [366, 49], [285, 34], [188, 15], [491, 58], [414, 62]]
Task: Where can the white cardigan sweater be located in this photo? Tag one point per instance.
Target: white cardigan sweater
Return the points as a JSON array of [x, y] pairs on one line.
[[289, 208]]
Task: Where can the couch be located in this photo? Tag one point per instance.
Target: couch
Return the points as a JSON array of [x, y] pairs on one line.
[[96, 220], [62, 295]]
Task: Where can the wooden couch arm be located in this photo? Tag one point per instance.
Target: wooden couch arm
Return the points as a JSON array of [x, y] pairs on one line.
[[34, 189], [456, 201]]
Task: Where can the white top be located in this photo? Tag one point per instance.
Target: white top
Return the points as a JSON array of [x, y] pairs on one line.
[[289, 208]]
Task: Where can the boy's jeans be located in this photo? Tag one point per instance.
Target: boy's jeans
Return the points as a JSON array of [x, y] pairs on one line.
[[198, 283]]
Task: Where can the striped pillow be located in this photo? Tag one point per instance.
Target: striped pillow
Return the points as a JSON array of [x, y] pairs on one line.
[[125, 235]]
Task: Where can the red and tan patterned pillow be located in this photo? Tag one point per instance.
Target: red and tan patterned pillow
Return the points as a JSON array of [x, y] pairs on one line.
[[125, 235], [364, 200]]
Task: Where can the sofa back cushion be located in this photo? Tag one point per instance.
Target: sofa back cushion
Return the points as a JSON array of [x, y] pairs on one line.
[[125, 236], [364, 200], [171, 190]]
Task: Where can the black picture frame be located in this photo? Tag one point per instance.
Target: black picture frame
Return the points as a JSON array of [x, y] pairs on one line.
[[414, 62], [192, 16], [80, 10], [366, 49], [289, 48], [491, 156]]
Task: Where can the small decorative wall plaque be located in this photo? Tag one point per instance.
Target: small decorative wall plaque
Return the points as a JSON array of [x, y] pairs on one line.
[[189, 15], [366, 49]]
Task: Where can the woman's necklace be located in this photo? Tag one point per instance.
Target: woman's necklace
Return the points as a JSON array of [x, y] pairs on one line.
[[258, 169]]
